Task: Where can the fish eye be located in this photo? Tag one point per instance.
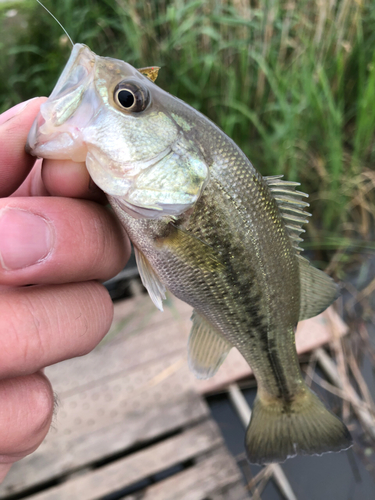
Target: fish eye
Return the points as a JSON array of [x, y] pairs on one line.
[[131, 96]]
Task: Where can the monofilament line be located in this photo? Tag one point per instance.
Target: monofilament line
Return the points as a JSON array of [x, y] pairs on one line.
[[58, 22]]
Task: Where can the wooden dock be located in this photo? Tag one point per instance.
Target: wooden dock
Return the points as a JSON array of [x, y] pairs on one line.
[[132, 422]]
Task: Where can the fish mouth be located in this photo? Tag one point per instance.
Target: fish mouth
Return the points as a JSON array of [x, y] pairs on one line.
[[56, 145], [57, 131]]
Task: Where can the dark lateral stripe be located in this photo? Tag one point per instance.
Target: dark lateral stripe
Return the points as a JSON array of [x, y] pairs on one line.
[[256, 322], [278, 370], [240, 285]]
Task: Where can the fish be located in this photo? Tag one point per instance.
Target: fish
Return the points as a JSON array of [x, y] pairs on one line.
[[206, 226]]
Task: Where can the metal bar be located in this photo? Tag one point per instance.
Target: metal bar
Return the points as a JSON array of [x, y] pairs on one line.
[[244, 412]]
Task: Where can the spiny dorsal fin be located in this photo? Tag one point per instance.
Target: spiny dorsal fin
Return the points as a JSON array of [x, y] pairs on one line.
[[207, 348], [151, 72], [318, 290], [150, 281], [291, 206]]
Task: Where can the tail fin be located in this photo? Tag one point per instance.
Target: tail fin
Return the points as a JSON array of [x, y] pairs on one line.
[[278, 431]]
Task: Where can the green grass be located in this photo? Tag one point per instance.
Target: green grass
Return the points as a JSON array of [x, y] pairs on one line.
[[293, 83]]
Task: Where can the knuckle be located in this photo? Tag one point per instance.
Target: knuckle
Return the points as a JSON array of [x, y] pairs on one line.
[[40, 406], [29, 408], [99, 308], [112, 248], [19, 318]]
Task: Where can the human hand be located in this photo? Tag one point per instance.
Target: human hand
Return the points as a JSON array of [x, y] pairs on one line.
[[56, 235]]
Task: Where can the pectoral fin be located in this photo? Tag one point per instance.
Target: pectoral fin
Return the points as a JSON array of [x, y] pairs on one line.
[[207, 348], [318, 290], [196, 252], [151, 282]]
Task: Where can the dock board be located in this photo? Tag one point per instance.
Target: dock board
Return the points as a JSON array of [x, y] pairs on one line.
[[127, 412], [131, 419]]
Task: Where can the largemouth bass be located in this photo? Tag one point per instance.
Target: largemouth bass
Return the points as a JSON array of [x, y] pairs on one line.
[[206, 226]]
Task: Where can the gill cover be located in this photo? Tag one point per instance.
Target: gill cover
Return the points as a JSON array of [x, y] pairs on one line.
[[112, 116]]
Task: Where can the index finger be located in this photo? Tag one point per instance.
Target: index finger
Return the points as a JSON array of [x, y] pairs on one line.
[[15, 163]]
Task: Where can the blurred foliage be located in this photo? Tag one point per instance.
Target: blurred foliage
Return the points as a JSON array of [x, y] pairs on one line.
[[292, 82]]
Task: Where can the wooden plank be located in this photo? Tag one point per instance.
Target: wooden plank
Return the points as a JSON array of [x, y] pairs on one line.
[[310, 334], [61, 453], [131, 469], [127, 391], [111, 400], [122, 351], [139, 314], [132, 388], [214, 477]]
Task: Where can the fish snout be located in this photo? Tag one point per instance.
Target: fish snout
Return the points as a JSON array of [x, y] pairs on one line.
[[57, 131]]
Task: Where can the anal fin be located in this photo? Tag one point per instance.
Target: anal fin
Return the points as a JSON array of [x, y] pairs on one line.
[[151, 282], [207, 348]]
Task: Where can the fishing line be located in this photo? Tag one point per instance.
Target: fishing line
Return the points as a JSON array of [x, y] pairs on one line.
[[58, 22]]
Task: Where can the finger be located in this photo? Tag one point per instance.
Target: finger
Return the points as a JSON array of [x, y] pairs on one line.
[[60, 178], [33, 184], [15, 164], [15, 110], [4, 469], [70, 179], [26, 413], [42, 325], [58, 240]]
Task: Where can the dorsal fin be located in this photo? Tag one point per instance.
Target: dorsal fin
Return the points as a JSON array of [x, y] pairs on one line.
[[291, 206], [151, 72]]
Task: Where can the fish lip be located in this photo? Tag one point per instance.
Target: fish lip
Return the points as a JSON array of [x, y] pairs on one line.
[[41, 148]]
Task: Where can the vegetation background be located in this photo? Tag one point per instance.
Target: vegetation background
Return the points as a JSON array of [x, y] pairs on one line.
[[292, 82]]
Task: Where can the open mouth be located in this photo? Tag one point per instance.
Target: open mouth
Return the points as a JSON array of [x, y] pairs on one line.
[[57, 130], [57, 145]]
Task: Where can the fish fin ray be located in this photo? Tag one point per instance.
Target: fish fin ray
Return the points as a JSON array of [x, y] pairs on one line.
[[207, 348], [318, 290], [291, 206], [151, 282], [308, 428], [151, 72]]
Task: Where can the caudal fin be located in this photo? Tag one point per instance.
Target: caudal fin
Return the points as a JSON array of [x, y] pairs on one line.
[[280, 430]]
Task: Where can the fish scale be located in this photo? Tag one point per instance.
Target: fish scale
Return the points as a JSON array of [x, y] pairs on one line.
[[222, 296], [208, 227]]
